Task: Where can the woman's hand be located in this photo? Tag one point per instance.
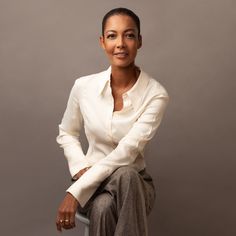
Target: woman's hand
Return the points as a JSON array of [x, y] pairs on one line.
[[80, 173], [66, 213]]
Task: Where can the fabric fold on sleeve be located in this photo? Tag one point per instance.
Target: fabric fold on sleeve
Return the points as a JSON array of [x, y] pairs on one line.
[[69, 130]]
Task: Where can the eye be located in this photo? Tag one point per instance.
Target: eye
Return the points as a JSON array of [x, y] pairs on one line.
[[111, 36], [130, 36]]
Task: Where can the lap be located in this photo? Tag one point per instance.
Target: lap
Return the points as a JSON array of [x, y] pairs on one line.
[[118, 181]]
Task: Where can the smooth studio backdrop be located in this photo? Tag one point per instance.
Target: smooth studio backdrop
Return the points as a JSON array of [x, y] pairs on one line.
[[188, 45]]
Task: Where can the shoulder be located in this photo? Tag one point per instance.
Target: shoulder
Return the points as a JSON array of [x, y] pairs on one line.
[[87, 84], [90, 80], [155, 87]]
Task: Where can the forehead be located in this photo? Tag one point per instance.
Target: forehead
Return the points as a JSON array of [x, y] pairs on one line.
[[120, 23]]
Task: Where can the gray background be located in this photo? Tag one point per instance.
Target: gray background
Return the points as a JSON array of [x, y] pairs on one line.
[[189, 46]]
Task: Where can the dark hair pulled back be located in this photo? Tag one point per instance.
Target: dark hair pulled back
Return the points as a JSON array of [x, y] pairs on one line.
[[121, 11]]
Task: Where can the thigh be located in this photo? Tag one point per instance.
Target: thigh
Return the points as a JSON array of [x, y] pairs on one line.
[[149, 190], [140, 183], [111, 184]]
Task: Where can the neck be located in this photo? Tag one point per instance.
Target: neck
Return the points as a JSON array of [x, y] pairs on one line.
[[122, 77]]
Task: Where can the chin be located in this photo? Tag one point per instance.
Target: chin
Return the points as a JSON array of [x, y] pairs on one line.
[[123, 65]]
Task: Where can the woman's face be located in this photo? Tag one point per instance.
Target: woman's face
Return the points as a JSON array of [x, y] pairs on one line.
[[121, 40]]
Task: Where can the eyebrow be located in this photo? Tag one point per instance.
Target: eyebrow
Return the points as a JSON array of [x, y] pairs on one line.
[[113, 31]]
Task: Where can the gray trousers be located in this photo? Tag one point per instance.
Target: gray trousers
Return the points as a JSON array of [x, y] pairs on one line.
[[121, 204]]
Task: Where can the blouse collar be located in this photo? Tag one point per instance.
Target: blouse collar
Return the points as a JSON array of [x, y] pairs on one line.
[[134, 93]]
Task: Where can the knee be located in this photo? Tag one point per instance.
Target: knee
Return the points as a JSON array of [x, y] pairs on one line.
[[103, 204], [128, 173]]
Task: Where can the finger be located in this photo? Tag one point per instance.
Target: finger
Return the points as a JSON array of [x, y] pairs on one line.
[[67, 224], [62, 223], [67, 227], [82, 172], [59, 227], [62, 217], [72, 219], [67, 220], [58, 223], [70, 222]]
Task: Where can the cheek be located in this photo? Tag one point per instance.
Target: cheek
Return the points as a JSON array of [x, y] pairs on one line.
[[133, 45], [134, 49], [109, 49]]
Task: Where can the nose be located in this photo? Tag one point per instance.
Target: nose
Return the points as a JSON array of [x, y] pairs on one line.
[[120, 42]]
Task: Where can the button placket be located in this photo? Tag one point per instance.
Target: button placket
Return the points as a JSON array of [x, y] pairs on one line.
[[126, 101], [110, 114]]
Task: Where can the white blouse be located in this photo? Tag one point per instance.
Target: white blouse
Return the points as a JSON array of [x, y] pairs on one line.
[[115, 138]]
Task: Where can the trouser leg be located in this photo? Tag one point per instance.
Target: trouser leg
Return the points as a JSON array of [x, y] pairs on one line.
[[134, 199], [103, 215], [121, 204]]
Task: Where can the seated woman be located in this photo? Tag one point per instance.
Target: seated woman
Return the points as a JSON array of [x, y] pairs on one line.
[[121, 109]]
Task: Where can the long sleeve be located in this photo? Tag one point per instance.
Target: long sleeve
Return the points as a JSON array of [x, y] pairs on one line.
[[126, 151], [69, 129]]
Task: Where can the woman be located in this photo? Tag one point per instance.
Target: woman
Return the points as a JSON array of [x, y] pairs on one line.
[[121, 109]]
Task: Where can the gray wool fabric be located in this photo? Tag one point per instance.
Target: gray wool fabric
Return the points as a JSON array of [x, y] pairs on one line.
[[121, 204]]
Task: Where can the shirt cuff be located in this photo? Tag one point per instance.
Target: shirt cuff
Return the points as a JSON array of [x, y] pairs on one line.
[[75, 168], [87, 184]]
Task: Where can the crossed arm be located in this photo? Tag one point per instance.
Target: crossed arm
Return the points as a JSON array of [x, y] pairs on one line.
[[124, 154]]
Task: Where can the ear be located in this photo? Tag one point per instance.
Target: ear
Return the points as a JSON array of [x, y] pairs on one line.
[[140, 41], [101, 40]]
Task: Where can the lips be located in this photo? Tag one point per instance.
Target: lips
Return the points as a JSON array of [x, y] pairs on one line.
[[121, 54]]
